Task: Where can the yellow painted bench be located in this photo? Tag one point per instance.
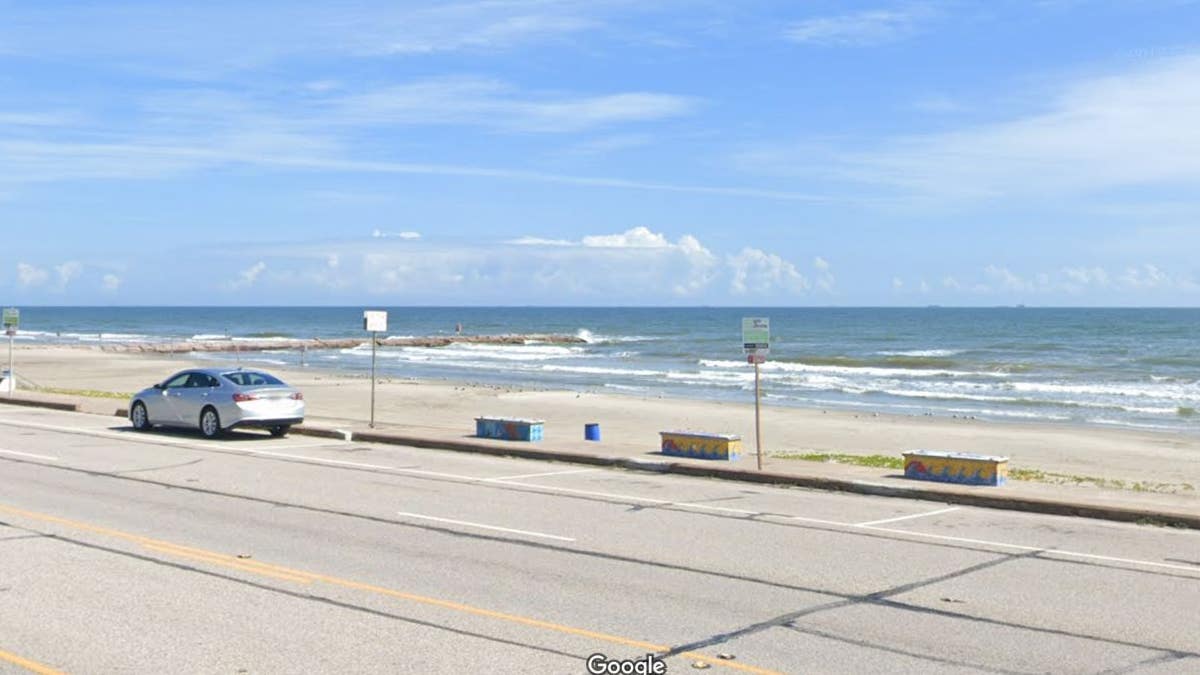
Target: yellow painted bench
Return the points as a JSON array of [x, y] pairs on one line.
[[701, 445], [956, 467]]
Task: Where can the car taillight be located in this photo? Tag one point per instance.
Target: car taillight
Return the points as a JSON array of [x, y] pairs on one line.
[[241, 398], [297, 396]]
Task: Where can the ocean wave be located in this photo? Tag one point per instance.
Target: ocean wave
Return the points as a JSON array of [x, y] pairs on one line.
[[207, 337], [924, 353], [592, 339], [800, 367], [597, 370], [1188, 393], [480, 351]]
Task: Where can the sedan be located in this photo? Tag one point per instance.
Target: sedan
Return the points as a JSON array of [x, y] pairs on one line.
[[215, 400]]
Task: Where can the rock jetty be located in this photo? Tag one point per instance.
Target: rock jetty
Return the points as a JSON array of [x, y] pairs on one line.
[[252, 345]]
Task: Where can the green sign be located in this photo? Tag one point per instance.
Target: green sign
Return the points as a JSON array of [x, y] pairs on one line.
[[12, 318], [756, 335]]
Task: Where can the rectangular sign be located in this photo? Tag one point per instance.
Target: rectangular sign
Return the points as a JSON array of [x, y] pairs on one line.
[[375, 321], [12, 318], [756, 335]]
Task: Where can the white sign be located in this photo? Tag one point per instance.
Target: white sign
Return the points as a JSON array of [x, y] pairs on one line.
[[756, 335], [375, 321]]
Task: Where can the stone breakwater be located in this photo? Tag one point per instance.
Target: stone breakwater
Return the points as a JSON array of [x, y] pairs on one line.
[[251, 345]]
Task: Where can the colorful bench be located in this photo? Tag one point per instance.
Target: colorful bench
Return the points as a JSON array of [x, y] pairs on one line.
[[700, 445], [956, 467], [508, 428]]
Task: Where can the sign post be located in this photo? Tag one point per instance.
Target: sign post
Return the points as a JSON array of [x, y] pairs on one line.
[[374, 322], [756, 341], [11, 321]]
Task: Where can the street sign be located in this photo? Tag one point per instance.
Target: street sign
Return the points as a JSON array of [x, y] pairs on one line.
[[375, 321], [756, 358], [756, 335], [12, 318]]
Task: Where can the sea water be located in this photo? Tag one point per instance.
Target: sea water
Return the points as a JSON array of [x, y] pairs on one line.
[[1136, 368]]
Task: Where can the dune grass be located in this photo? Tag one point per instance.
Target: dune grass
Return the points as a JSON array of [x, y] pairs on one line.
[[1014, 473]]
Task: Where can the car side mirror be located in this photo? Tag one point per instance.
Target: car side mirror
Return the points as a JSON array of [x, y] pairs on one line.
[[158, 385]]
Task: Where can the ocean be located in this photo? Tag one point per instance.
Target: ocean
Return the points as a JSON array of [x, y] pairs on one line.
[[1133, 368]]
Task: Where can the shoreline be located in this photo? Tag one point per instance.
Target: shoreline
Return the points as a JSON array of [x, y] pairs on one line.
[[632, 422]]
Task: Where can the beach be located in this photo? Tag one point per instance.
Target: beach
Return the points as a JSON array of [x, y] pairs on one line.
[[1161, 460]]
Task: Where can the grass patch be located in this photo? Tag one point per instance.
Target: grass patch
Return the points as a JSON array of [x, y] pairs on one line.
[[877, 461], [1014, 473], [89, 393]]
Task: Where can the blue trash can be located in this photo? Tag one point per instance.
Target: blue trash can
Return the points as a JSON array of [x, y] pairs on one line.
[[591, 431]]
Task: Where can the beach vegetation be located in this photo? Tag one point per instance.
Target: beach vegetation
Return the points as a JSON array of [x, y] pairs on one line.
[[1014, 473], [88, 393]]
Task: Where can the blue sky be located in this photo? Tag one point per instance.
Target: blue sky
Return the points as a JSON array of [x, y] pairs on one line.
[[600, 153]]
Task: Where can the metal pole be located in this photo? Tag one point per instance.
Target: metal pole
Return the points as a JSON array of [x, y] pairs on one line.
[[372, 379], [12, 377], [757, 418]]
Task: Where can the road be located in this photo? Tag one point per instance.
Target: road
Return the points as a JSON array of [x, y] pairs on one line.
[[164, 552]]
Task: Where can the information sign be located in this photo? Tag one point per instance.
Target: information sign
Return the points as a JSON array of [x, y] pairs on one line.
[[756, 335]]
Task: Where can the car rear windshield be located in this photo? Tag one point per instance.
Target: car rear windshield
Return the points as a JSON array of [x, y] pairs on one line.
[[251, 378]]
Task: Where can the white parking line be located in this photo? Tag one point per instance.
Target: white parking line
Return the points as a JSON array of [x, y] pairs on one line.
[[483, 527], [908, 517], [544, 474], [872, 526], [28, 454]]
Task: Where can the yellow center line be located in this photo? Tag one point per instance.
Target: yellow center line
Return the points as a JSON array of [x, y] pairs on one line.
[[31, 666], [227, 562], [289, 574]]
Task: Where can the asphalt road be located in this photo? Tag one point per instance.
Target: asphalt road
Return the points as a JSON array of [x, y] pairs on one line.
[[163, 552]]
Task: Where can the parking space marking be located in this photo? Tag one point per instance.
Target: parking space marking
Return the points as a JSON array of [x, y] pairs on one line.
[[1041, 549], [481, 526], [908, 517], [873, 526], [28, 454], [544, 474]]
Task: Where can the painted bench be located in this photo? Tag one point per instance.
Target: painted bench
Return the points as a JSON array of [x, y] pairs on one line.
[[956, 467], [509, 428], [701, 445]]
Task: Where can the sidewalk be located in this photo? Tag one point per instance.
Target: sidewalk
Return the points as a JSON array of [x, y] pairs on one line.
[[1179, 509]]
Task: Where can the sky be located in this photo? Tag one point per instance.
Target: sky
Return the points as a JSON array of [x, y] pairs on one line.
[[613, 152]]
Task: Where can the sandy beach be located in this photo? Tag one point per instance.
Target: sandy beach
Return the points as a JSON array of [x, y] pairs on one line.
[[631, 423]]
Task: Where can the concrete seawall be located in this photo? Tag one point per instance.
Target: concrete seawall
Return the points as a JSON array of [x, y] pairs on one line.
[[252, 345]]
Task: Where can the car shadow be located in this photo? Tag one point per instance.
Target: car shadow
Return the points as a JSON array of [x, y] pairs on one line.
[[233, 436]]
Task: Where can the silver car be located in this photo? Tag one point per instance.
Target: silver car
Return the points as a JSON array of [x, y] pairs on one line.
[[215, 400]]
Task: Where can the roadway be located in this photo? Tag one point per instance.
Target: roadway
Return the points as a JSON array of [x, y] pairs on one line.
[[164, 552]]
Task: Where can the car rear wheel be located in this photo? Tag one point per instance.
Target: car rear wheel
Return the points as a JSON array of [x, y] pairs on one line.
[[280, 431], [210, 423], [139, 418]]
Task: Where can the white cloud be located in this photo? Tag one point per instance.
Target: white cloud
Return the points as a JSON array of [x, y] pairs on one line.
[[860, 29], [756, 271], [110, 282], [1132, 129], [1073, 281], [248, 277], [638, 237], [1006, 279], [539, 241], [825, 280], [407, 235], [66, 273], [1145, 277], [495, 104], [29, 275], [897, 283]]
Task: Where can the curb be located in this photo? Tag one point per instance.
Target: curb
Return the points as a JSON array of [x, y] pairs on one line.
[[30, 403], [1004, 502]]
